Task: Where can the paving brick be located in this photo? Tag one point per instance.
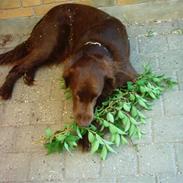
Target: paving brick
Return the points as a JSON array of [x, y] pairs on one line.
[[67, 112], [179, 157], [43, 9], [147, 137], [47, 112], [9, 4], [180, 79], [57, 93], [17, 114], [46, 168], [122, 2], [156, 158], [39, 92], [168, 129], [175, 42], [133, 46], [170, 60], [116, 12], [173, 103], [137, 179], [1, 112], [153, 44], [88, 2], [9, 40], [27, 139], [14, 167], [162, 27], [49, 1], [135, 30], [53, 72], [103, 3], [98, 180], [31, 2], [7, 139], [12, 13], [123, 163], [171, 179], [82, 165], [139, 61], [55, 181], [13, 26], [3, 72], [157, 109]]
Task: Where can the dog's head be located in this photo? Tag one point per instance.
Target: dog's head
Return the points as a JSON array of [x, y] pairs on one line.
[[86, 78]]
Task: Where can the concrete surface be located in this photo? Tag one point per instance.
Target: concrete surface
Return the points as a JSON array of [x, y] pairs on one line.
[[157, 158]]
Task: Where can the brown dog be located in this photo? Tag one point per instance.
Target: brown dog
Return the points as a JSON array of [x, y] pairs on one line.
[[93, 45]]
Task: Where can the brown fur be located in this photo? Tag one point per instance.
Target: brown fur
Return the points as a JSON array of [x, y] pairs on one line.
[[93, 45]]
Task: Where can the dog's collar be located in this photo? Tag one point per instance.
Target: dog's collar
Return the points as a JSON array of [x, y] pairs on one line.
[[95, 43]]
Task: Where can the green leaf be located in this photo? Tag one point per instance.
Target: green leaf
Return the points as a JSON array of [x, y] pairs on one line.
[[110, 148], [117, 140], [143, 104], [103, 153], [139, 133], [71, 138], [141, 115], [91, 137], [48, 133], [132, 130], [142, 89], [113, 129], [106, 123], [110, 117], [126, 123], [134, 111], [78, 132], [60, 137], [123, 140], [132, 97], [133, 121], [67, 147], [95, 146], [100, 140], [127, 107], [121, 115], [152, 95], [129, 85]]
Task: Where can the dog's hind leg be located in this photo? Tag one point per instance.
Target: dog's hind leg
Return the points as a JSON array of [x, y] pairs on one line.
[[33, 60]]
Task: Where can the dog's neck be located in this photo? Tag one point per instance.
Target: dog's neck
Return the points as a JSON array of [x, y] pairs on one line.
[[92, 48]]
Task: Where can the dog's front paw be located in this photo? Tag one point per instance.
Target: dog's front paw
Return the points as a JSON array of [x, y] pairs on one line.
[[5, 93], [28, 80]]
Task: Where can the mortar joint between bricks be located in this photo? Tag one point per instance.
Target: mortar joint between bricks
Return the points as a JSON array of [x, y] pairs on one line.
[[33, 11], [152, 132], [177, 79], [176, 161], [135, 146], [137, 44], [29, 167], [156, 179]]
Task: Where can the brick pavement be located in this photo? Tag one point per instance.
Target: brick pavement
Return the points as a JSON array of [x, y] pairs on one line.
[[157, 158]]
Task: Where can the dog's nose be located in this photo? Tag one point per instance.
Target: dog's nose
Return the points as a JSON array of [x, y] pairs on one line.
[[84, 121]]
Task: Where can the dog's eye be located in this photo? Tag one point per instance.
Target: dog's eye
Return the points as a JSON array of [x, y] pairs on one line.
[[93, 97], [83, 96]]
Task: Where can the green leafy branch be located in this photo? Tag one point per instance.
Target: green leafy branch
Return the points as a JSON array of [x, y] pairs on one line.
[[119, 116]]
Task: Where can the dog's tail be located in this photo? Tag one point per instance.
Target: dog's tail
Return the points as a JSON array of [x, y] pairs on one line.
[[12, 56]]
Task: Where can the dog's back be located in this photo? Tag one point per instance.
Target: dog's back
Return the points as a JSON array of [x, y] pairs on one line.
[[97, 47]]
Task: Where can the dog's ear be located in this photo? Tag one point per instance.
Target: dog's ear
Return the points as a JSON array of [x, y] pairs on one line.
[[67, 76], [109, 85]]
